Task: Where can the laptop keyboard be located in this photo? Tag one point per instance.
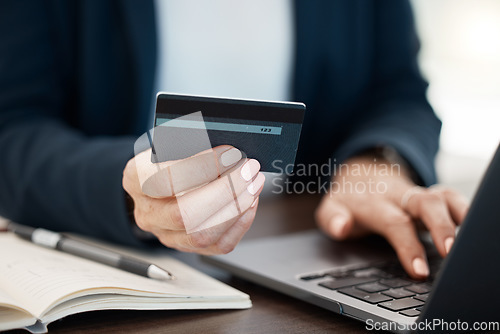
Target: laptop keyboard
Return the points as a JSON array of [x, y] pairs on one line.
[[386, 286]]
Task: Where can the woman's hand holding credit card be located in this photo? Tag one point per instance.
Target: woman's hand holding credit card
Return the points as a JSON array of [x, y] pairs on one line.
[[190, 186]]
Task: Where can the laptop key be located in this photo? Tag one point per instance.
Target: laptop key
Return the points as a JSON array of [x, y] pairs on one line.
[[410, 313], [419, 288], [339, 274], [422, 297], [401, 304], [369, 272], [394, 269], [311, 277], [394, 282], [384, 274], [345, 282], [371, 298], [372, 287], [398, 293]]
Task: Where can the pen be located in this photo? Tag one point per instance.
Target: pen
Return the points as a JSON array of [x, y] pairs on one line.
[[57, 241]]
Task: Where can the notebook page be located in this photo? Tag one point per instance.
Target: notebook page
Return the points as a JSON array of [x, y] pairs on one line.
[[6, 300], [40, 277], [12, 314], [10, 319]]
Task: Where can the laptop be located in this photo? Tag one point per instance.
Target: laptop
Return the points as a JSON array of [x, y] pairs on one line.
[[363, 279]]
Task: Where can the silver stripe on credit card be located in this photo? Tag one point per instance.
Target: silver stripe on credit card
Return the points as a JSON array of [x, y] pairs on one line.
[[245, 128]]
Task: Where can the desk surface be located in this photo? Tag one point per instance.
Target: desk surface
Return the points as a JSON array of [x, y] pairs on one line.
[[271, 311]]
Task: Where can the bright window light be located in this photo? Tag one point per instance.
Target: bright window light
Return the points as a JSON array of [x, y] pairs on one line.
[[460, 57]]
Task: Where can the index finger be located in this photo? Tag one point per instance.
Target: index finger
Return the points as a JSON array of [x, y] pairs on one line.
[[386, 219], [170, 178]]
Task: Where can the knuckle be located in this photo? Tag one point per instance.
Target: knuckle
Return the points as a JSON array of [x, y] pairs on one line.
[[129, 166], [163, 238], [448, 192], [129, 182], [166, 239], [141, 221], [175, 216], [424, 200], [432, 197], [199, 240], [225, 247]]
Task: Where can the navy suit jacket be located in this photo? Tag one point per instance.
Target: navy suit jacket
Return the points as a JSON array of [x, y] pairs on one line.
[[76, 83]]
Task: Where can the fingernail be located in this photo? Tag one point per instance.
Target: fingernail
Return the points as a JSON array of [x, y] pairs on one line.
[[448, 242], [420, 267], [250, 169], [255, 186], [338, 225], [230, 157], [254, 203]]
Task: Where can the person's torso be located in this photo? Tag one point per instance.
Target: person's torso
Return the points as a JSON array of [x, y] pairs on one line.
[[107, 52]]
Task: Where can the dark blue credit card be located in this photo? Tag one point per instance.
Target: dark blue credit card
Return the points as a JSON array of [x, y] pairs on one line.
[[263, 130]]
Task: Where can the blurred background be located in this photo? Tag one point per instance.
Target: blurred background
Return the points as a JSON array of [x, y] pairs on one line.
[[460, 57]]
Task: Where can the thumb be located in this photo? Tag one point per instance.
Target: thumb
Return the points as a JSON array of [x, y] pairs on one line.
[[334, 218]]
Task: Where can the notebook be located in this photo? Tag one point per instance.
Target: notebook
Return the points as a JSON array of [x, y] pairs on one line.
[[39, 286]]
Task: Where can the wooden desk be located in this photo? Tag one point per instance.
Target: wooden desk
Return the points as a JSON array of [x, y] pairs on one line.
[[271, 311]]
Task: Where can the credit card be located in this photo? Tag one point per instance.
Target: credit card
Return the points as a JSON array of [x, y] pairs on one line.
[[262, 130]]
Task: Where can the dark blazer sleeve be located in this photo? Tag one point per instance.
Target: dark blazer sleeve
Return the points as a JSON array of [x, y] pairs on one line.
[[52, 175], [399, 115]]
